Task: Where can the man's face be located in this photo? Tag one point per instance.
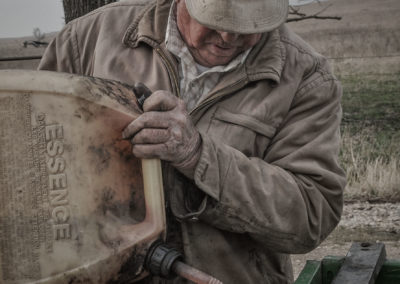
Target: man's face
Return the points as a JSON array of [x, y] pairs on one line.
[[211, 47]]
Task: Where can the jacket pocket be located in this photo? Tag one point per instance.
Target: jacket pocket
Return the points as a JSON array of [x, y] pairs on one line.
[[241, 131]]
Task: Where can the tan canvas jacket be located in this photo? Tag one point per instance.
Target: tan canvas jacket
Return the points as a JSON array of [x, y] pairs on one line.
[[268, 182]]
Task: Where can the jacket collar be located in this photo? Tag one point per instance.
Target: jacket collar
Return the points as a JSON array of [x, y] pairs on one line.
[[150, 25], [267, 58], [265, 61]]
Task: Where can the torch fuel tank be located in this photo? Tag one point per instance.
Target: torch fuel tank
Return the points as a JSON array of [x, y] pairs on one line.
[[75, 205]]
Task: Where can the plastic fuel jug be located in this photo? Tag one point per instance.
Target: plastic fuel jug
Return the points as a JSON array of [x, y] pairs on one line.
[[75, 205]]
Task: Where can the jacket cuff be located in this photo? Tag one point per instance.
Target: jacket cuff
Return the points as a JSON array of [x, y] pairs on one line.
[[188, 166], [210, 172]]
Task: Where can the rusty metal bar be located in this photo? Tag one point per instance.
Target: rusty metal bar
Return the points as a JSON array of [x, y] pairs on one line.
[[193, 274]]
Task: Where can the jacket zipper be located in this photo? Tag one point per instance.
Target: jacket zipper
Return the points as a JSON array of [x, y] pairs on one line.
[[170, 69], [227, 90]]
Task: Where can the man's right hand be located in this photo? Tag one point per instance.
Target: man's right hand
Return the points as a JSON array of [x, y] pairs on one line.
[[165, 131]]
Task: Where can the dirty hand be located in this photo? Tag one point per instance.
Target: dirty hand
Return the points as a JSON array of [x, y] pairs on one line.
[[165, 131]]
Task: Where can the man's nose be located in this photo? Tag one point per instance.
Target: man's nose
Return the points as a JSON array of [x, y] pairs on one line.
[[228, 37]]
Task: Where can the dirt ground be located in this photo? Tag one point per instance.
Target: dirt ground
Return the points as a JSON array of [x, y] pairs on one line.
[[361, 222]]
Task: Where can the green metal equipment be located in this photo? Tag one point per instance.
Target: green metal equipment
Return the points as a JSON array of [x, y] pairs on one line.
[[352, 269]]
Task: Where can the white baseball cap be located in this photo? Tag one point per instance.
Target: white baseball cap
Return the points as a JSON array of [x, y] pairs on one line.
[[239, 16]]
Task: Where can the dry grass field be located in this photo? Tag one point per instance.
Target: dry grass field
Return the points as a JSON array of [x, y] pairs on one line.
[[14, 47], [364, 49], [370, 149]]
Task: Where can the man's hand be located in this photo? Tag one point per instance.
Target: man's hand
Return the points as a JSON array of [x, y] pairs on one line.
[[165, 131]]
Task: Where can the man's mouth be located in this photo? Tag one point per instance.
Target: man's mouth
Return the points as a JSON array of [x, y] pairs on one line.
[[223, 50], [225, 46]]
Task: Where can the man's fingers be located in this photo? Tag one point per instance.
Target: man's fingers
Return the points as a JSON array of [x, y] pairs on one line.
[[146, 120], [151, 151], [151, 136], [160, 101], [164, 131]]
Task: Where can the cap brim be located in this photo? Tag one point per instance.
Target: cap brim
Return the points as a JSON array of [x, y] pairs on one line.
[[239, 16]]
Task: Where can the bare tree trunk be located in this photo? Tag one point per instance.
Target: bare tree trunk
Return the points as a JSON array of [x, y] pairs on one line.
[[76, 8]]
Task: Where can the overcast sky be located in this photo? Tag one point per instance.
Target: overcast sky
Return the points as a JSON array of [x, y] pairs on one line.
[[19, 17]]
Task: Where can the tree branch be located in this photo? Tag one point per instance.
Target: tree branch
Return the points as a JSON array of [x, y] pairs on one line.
[[301, 16], [313, 17]]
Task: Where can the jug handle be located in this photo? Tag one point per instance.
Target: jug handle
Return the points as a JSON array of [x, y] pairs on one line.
[[153, 227]]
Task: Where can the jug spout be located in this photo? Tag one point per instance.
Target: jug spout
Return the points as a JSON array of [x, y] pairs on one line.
[[166, 262]]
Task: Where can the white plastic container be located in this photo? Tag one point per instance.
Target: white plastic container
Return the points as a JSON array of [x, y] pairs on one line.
[[75, 205]]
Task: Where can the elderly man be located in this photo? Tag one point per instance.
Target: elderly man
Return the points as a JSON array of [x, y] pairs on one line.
[[244, 115]]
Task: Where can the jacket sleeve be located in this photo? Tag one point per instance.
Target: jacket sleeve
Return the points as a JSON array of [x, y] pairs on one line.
[[62, 54], [292, 198]]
